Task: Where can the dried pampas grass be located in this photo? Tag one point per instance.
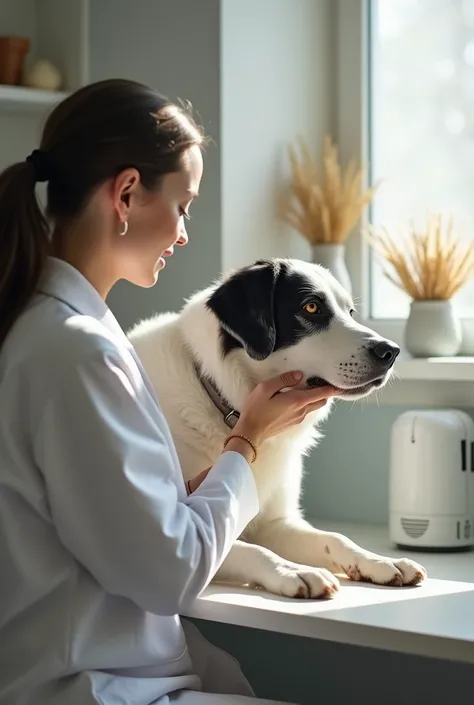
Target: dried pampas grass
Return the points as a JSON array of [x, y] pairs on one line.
[[323, 211], [428, 264]]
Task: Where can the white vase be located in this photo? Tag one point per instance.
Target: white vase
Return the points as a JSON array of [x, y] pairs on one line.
[[432, 329], [333, 258]]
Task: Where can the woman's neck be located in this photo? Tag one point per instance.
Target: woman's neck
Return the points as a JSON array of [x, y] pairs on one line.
[[88, 254]]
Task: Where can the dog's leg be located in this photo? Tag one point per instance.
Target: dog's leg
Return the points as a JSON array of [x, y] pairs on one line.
[[255, 565], [298, 541]]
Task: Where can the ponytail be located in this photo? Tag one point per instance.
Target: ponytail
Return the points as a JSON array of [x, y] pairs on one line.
[[24, 242]]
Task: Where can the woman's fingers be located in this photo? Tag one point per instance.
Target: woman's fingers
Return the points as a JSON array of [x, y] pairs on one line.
[[303, 397], [321, 393], [288, 379], [315, 406], [301, 414]]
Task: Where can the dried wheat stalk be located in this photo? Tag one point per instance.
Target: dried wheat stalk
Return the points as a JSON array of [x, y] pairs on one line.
[[429, 264], [323, 212]]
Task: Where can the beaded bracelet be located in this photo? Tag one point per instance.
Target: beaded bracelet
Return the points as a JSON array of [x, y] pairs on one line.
[[247, 440]]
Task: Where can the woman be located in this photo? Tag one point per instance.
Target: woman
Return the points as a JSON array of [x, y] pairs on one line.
[[101, 544]]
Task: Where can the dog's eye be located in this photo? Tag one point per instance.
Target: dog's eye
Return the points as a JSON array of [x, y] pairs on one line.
[[352, 312], [311, 307]]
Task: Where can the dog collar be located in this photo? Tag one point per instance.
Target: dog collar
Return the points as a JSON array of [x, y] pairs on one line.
[[231, 416]]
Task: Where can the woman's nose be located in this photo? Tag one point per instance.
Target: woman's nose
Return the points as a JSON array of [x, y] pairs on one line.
[[183, 237]]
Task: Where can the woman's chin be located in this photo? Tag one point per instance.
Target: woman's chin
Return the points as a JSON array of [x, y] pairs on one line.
[[161, 264], [149, 279], [154, 276], [146, 282]]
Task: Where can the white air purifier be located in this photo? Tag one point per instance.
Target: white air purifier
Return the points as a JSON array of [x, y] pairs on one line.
[[431, 490]]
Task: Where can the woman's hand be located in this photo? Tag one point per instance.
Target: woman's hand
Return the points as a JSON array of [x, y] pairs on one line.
[[267, 412]]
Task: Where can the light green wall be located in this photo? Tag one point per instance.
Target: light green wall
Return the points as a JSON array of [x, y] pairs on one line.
[[347, 475]]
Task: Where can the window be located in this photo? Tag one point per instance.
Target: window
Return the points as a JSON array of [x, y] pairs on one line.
[[421, 124]]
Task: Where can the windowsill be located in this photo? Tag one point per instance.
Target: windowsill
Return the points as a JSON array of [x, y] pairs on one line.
[[441, 369], [431, 620]]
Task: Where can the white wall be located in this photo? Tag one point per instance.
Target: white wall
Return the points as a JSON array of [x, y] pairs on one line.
[[276, 81]]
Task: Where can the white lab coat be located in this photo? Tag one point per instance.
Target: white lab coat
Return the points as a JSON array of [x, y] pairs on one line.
[[100, 547]]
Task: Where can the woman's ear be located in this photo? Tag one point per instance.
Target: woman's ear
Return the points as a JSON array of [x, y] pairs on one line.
[[124, 186]]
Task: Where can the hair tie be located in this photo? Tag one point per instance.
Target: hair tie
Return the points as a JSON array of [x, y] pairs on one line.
[[41, 165]]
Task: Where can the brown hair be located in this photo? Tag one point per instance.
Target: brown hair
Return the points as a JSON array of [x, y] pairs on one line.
[[89, 137]]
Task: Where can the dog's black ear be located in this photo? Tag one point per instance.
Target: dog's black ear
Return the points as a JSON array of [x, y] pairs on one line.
[[244, 305]]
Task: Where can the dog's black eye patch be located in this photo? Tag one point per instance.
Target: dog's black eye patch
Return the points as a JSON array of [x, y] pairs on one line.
[[261, 308], [293, 323], [244, 305]]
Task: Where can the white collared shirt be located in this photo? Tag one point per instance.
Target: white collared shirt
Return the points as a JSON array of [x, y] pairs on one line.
[[100, 547]]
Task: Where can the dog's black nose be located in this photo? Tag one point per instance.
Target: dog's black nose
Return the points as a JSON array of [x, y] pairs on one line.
[[385, 352]]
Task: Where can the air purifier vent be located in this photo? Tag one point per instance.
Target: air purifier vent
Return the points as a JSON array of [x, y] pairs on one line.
[[414, 528]]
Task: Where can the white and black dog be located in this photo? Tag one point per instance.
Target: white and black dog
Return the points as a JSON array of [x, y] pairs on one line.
[[262, 320]]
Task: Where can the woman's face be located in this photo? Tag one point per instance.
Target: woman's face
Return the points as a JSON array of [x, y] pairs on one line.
[[156, 220]]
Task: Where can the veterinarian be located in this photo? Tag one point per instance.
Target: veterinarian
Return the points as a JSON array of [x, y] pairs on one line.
[[101, 543]]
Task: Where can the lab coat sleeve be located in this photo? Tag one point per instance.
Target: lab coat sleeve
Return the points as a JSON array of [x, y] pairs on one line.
[[112, 486]]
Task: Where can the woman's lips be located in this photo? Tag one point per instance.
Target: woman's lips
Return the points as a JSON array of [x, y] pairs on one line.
[[162, 259]]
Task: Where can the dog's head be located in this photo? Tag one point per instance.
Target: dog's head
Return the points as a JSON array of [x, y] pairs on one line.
[[293, 315]]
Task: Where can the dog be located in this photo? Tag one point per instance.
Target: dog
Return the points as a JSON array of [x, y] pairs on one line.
[[250, 325]]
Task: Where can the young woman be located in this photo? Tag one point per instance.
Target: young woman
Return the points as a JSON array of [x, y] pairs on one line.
[[101, 544]]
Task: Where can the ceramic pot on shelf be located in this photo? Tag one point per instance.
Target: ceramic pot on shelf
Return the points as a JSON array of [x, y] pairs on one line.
[[433, 329], [13, 51]]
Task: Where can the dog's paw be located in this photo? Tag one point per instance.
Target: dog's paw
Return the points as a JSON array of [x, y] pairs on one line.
[[386, 571], [412, 572], [304, 582]]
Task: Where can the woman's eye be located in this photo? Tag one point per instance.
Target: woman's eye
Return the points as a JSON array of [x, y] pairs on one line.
[[311, 307], [184, 214]]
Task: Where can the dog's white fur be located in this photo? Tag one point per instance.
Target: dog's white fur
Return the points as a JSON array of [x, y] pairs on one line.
[[279, 550]]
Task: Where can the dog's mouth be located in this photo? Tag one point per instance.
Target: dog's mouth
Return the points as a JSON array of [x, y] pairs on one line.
[[314, 382]]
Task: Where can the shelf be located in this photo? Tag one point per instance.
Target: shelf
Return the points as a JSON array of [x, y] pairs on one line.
[[19, 98], [440, 369]]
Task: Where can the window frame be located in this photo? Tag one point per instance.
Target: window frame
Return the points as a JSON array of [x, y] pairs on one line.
[[352, 120]]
